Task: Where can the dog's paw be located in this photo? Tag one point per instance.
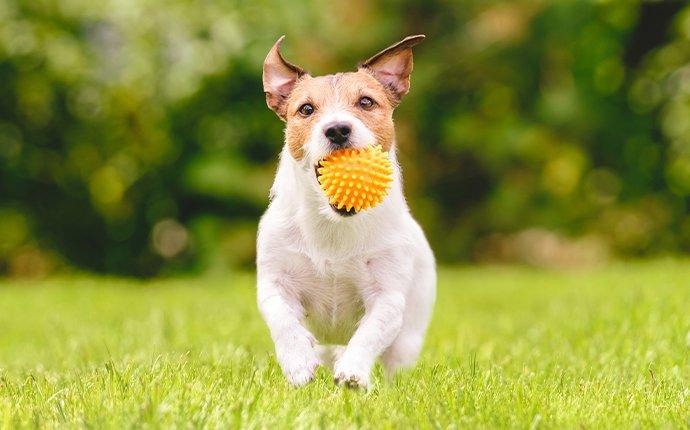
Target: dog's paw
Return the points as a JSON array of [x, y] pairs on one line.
[[301, 372], [350, 374], [298, 362]]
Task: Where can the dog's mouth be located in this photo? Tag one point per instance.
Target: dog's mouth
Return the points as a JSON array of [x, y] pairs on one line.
[[342, 211]]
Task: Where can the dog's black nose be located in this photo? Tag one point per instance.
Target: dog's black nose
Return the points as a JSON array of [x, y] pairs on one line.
[[338, 132]]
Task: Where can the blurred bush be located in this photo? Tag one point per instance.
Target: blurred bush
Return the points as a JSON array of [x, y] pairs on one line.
[[134, 137]]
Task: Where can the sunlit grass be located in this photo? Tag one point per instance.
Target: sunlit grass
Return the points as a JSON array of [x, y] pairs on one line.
[[507, 348]]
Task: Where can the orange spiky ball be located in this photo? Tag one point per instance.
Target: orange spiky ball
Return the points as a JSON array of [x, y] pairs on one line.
[[356, 178]]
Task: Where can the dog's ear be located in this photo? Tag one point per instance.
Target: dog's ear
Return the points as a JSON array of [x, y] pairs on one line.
[[393, 65], [279, 79]]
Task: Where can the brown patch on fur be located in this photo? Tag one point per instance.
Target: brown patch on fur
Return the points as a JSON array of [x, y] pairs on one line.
[[341, 91], [319, 93]]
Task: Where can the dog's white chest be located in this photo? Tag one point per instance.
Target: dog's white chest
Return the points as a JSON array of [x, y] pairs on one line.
[[333, 301]]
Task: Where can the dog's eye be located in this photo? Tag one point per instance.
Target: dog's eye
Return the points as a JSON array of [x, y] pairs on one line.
[[306, 109], [366, 103]]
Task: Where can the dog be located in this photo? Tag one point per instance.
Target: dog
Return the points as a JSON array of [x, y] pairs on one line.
[[338, 287]]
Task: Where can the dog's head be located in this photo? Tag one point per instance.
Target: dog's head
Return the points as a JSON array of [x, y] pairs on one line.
[[327, 113]]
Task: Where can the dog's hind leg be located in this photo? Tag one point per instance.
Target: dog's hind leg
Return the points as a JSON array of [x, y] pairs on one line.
[[403, 353], [405, 349]]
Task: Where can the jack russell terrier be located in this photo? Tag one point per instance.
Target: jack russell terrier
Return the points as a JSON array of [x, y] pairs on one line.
[[334, 286]]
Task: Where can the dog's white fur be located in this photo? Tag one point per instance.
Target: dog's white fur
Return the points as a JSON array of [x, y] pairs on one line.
[[367, 281]]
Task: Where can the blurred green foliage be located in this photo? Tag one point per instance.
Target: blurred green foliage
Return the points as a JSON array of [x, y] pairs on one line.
[[134, 137]]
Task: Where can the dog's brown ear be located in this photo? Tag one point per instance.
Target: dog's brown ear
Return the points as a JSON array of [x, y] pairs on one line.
[[279, 79], [393, 66]]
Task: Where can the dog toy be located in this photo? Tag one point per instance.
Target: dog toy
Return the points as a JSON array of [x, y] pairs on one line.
[[356, 178]]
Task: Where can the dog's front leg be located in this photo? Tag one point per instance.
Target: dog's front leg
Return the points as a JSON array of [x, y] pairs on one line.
[[294, 344], [377, 330]]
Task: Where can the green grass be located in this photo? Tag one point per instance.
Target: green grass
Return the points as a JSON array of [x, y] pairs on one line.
[[508, 347]]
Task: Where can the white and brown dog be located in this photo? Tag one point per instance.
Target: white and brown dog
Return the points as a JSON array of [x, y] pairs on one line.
[[329, 277]]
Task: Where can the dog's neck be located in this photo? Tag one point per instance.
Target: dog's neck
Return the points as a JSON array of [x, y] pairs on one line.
[[324, 231]]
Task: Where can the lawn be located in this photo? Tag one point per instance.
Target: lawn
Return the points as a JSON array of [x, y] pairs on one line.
[[508, 347]]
